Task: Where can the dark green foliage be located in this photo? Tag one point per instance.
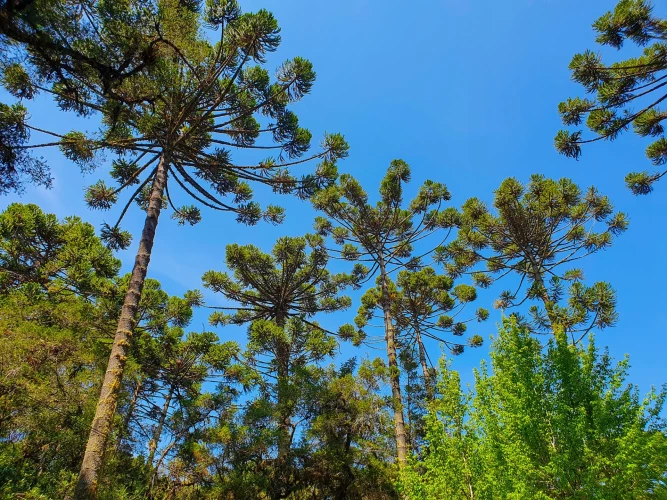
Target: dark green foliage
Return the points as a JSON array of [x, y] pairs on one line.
[[384, 235], [278, 294], [627, 92], [292, 281], [537, 231], [428, 304], [16, 165], [164, 93], [56, 256]]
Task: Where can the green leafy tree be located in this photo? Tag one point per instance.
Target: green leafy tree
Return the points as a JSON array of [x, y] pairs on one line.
[[278, 295], [58, 257], [383, 235], [349, 437], [179, 117], [538, 230], [627, 92], [559, 422]]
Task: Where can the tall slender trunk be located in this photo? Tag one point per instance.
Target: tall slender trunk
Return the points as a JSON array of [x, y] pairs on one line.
[[282, 477], [155, 439], [285, 414], [86, 487], [394, 373], [428, 383], [124, 430]]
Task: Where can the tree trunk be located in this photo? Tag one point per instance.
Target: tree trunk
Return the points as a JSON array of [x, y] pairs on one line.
[[155, 440], [124, 430], [282, 487], [284, 417], [86, 487], [394, 374], [428, 383]]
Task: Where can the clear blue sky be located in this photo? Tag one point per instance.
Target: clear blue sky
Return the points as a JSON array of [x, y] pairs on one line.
[[466, 93]]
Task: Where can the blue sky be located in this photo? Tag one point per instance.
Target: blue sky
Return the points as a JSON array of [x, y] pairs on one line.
[[465, 92]]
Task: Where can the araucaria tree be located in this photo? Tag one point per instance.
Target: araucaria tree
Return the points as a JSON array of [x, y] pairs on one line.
[[383, 235], [537, 232], [277, 295], [426, 305], [627, 92], [178, 118]]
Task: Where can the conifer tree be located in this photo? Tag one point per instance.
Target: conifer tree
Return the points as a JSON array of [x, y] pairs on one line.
[[58, 257], [349, 437], [627, 92], [383, 235], [179, 118], [79, 52], [427, 305], [59, 305], [278, 295], [538, 230]]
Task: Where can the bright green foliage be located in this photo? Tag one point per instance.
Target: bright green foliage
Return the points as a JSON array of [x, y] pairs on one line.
[[56, 256], [626, 92], [184, 101], [554, 422], [539, 229]]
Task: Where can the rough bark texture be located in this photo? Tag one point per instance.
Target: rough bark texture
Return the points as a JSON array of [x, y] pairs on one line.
[[86, 487], [155, 439], [282, 486], [394, 375]]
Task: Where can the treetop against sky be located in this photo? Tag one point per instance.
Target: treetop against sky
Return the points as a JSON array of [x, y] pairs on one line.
[[462, 106]]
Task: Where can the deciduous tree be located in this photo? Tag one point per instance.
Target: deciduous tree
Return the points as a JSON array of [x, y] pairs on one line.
[[542, 423]]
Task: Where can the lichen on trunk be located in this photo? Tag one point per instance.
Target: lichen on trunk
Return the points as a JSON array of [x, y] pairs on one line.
[[87, 483]]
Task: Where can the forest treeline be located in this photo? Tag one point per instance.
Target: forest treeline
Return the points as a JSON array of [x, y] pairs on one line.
[[107, 390]]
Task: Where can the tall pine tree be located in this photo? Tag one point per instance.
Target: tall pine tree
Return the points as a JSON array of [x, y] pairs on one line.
[[383, 235], [179, 117], [278, 295]]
